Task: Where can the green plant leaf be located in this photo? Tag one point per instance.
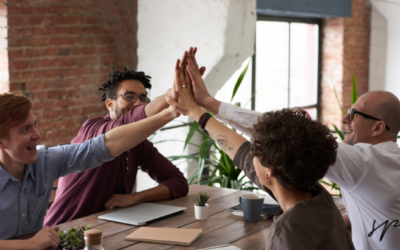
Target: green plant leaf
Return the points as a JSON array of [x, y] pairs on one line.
[[225, 182], [204, 151], [353, 92], [196, 158], [340, 133], [337, 98], [192, 130], [202, 198], [157, 142], [333, 186], [239, 80], [234, 184]]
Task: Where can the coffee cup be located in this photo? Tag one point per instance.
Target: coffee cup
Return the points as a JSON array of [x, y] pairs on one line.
[[252, 206]]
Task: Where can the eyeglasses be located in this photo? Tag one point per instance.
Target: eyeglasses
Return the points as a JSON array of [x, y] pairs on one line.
[[352, 112], [131, 97]]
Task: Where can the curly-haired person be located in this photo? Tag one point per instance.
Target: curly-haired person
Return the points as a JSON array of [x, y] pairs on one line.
[[367, 166], [111, 185], [288, 155]]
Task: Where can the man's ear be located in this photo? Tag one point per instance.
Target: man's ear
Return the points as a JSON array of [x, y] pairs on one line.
[[379, 128], [110, 105], [269, 172]]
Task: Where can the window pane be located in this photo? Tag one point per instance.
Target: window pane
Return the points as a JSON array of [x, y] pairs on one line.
[[312, 112], [303, 64], [243, 94], [272, 54]]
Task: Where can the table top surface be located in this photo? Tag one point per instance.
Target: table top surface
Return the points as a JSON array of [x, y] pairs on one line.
[[220, 228]]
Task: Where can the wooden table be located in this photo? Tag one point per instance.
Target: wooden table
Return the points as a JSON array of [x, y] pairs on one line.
[[220, 228]]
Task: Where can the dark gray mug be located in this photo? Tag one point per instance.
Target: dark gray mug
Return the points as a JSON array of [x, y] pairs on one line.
[[252, 206]]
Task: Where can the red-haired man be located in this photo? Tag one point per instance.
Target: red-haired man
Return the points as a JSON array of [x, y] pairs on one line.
[[27, 171]]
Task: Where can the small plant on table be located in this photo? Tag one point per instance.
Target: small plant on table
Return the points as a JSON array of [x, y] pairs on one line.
[[73, 238], [202, 199], [201, 208]]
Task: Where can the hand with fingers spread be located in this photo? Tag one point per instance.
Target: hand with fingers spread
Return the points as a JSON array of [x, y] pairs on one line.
[[186, 103], [201, 95], [159, 104]]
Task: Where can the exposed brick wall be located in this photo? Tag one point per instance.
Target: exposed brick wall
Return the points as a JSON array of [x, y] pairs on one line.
[[61, 51], [346, 43], [356, 49], [332, 70]]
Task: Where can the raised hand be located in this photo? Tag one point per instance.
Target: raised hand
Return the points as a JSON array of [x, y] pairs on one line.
[[200, 92], [185, 103]]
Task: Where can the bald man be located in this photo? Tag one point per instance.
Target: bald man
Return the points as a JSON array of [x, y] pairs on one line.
[[367, 165]]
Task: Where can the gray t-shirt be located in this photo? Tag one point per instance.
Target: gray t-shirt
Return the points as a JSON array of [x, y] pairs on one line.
[[311, 224]]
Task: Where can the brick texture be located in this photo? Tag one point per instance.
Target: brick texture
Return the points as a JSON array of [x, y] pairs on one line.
[[60, 52], [345, 51]]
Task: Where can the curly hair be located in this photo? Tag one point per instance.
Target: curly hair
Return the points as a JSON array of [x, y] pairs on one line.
[[297, 149], [110, 87]]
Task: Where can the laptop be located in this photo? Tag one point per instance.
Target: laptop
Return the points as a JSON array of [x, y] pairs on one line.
[[140, 214]]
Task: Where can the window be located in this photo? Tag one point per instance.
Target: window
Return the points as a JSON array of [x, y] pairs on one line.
[[287, 66]]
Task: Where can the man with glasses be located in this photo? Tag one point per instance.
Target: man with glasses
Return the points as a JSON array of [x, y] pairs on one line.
[[367, 165], [111, 185]]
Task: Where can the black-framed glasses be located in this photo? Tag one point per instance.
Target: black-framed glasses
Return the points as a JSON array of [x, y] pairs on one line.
[[352, 112], [132, 97]]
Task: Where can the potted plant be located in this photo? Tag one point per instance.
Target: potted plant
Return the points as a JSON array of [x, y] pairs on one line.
[[73, 238], [201, 208]]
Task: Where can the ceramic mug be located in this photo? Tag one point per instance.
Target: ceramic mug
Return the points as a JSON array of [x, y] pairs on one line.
[[252, 206]]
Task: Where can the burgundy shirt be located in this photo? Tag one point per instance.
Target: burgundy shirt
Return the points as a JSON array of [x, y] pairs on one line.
[[85, 193]]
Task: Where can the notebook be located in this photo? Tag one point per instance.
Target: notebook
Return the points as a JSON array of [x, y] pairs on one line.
[[175, 236]]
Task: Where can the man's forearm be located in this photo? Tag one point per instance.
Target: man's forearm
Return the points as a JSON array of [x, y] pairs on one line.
[[120, 139], [161, 192], [211, 105], [156, 106], [227, 139]]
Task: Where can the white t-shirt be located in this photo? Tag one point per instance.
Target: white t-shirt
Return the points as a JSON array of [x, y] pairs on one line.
[[369, 176]]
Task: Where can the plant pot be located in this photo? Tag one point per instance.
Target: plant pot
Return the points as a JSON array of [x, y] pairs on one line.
[[201, 212]]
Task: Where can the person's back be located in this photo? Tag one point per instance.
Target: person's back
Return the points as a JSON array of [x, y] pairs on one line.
[[315, 223], [311, 224]]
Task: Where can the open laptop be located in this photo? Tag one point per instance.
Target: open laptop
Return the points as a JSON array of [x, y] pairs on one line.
[[140, 214]]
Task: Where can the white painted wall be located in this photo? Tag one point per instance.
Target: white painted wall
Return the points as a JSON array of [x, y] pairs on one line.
[[378, 50], [384, 67], [390, 9], [223, 31]]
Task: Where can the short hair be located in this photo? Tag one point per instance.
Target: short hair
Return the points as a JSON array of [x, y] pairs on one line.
[[14, 110], [297, 149], [110, 87]]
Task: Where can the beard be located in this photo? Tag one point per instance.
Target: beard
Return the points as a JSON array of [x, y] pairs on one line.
[[118, 112]]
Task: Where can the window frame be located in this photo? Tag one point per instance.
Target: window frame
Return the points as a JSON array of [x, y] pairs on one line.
[[317, 21]]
